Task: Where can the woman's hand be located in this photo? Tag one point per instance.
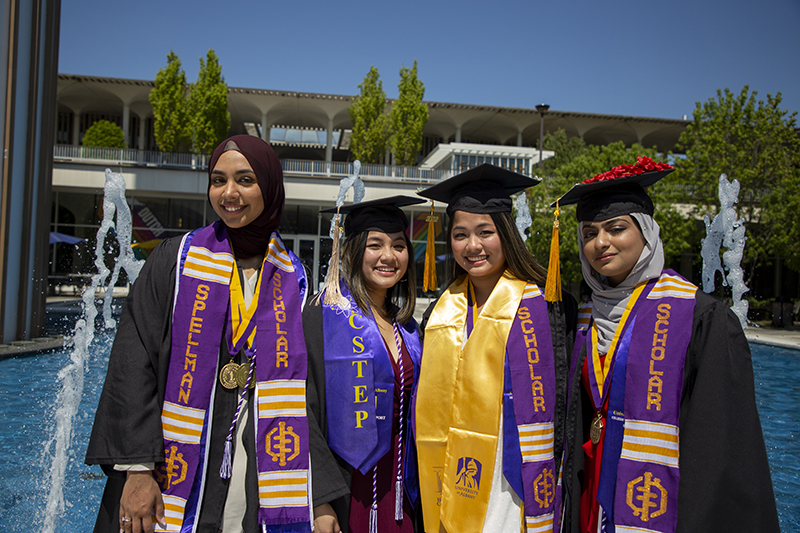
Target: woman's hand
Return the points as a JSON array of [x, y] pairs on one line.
[[325, 520], [140, 497]]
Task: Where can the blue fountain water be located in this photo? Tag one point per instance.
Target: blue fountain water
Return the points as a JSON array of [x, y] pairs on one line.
[[28, 389]]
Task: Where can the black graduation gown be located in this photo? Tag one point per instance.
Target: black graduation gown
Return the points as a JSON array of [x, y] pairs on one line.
[[127, 425], [725, 483]]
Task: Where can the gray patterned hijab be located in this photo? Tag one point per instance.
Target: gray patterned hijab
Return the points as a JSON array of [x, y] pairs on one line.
[[609, 302]]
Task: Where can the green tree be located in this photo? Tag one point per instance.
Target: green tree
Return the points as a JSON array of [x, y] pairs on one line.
[[208, 106], [368, 142], [170, 107], [573, 163], [104, 134], [408, 117], [754, 142]]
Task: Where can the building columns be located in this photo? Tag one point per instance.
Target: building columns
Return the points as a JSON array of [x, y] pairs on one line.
[[458, 133], [76, 128], [142, 131], [264, 127], [329, 143], [126, 123]]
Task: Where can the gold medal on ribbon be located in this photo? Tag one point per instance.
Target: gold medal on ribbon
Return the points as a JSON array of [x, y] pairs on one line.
[[596, 429], [241, 376], [227, 376]]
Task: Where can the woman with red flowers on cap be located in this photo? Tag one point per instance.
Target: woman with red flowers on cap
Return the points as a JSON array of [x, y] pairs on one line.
[[662, 397], [208, 368]]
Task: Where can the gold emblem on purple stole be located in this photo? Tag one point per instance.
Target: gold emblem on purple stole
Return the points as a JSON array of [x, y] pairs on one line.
[[173, 470], [284, 446], [545, 488], [647, 504]]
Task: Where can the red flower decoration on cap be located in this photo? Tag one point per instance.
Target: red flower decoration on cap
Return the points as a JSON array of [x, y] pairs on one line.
[[643, 164]]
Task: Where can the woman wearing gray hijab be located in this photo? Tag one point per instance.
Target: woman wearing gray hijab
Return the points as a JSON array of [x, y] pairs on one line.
[[667, 436]]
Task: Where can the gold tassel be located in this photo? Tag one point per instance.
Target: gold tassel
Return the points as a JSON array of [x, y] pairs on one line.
[[552, 290], [429, 277], [333, 294]]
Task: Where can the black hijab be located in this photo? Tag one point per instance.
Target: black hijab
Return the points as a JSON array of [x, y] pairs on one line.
[[252, 239]]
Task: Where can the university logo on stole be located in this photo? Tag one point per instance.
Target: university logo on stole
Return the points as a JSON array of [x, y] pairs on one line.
[[468, 479]]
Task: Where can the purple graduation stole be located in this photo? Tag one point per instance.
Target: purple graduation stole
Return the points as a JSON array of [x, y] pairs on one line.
[[639, 476], [533, 382], [359, 383], [200, 317], [528, 431]]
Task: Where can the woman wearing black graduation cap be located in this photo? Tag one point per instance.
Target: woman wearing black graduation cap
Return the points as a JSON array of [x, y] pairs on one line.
[[364, 355], [490, 402], [178, 429], [668, 437]]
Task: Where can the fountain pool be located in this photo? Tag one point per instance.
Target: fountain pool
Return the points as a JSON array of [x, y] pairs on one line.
[[28, 388]]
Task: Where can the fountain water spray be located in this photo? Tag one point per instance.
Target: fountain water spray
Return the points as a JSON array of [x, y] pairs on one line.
[[71, 376], [523, 220], [345, 184], [726, 231]]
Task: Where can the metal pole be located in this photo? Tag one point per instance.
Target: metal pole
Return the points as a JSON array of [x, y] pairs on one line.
[[542, 109]]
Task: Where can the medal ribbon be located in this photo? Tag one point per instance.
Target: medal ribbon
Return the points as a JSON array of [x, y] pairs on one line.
[[597, 371], [241, 326]]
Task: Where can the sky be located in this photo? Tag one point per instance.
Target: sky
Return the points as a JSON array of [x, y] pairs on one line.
[[620, 57]]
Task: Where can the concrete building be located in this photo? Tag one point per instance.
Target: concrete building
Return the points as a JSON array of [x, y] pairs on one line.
[[310, 133]]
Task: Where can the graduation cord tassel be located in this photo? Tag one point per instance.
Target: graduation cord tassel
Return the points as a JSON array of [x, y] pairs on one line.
[[398, 489], [429, 277], [333, 294], [226, 467], [373, 512], [552, 290]]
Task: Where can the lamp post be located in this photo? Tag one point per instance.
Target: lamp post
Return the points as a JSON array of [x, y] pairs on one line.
[[542, 109]]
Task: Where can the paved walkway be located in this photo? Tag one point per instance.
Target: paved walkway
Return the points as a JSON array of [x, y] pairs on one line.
[[41, 344], [783, 338]]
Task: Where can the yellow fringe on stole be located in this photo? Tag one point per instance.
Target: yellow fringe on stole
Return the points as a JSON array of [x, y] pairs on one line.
[[552, 289], [459, 404], [429, 278]]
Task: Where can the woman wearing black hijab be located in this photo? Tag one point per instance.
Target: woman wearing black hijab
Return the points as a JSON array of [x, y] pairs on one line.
[[196, 427]]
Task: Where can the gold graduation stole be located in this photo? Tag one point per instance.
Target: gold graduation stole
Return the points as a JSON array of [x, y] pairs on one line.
[[459, 403]]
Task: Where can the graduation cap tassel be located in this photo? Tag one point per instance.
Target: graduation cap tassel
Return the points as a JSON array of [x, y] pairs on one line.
[[333, 294], [552, 290], [429, 278]]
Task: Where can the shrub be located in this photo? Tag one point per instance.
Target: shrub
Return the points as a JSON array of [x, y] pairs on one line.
[[104, 134]]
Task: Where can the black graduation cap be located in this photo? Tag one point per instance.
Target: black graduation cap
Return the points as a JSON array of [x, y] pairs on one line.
[[604, 196], [383, 214], [483, 189]]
